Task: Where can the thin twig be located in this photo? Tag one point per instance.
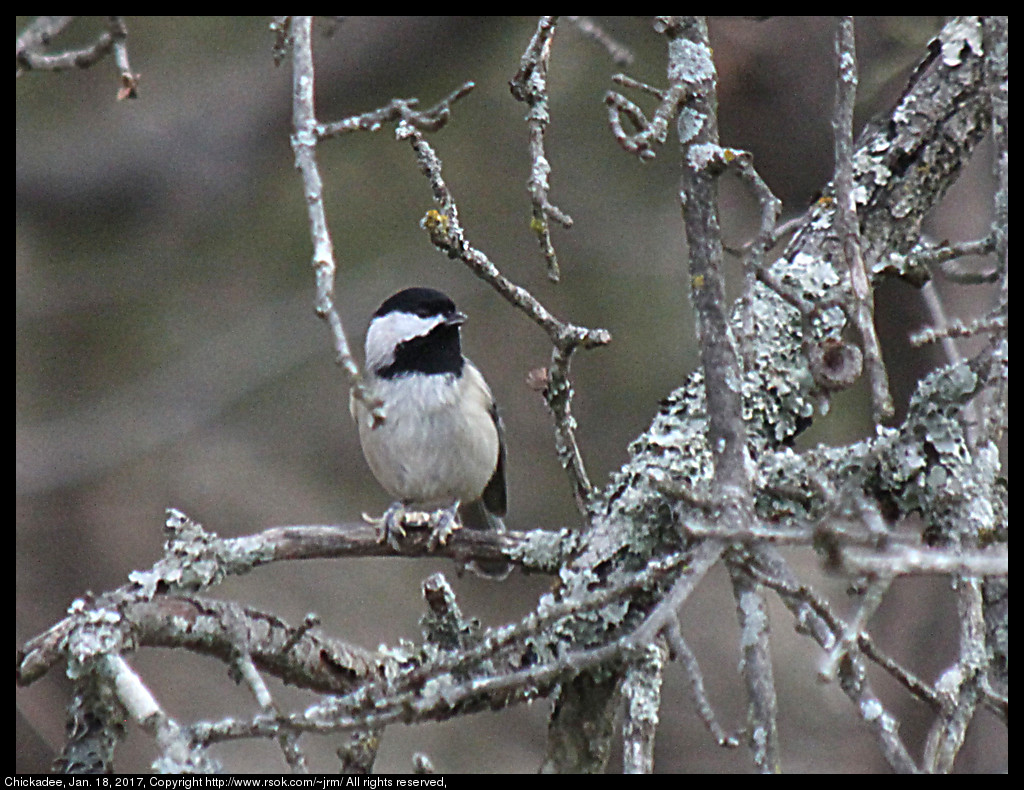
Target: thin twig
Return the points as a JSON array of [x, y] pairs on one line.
[[847, 223], [447, 234], [688, 659], [647, 133], [530, 85], [756, 250], [429, 120], [305, 134], [28, 54], [588, 27]]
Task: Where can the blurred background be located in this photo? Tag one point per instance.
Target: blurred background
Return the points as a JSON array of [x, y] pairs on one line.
[[168, 353]]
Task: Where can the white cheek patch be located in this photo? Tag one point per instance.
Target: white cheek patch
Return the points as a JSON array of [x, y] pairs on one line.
[[389, 330]]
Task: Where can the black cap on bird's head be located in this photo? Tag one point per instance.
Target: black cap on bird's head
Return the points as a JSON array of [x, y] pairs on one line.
[[419, 301]]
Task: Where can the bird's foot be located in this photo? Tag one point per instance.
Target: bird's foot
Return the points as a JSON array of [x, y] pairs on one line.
[[391, 526], [444, 523]]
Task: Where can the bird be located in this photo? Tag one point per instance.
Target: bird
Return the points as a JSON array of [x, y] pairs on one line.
[[428, 425]]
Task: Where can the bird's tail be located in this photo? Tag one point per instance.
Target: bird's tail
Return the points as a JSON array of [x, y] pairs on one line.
[[475, 516]]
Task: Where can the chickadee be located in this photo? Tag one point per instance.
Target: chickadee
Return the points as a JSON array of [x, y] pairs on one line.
[[440, 445]]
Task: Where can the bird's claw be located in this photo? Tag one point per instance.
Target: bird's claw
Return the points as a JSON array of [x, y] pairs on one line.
[[445, 523], [392, 524]]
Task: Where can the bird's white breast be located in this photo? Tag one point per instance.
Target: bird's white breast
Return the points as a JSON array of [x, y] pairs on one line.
[[429, 451]]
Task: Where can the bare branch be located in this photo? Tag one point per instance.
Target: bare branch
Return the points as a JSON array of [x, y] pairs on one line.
[[447, 234], [847, 224], [305, 134], [41, 32], [588, 27], [429, 120], [530, 85], [681, 652]]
